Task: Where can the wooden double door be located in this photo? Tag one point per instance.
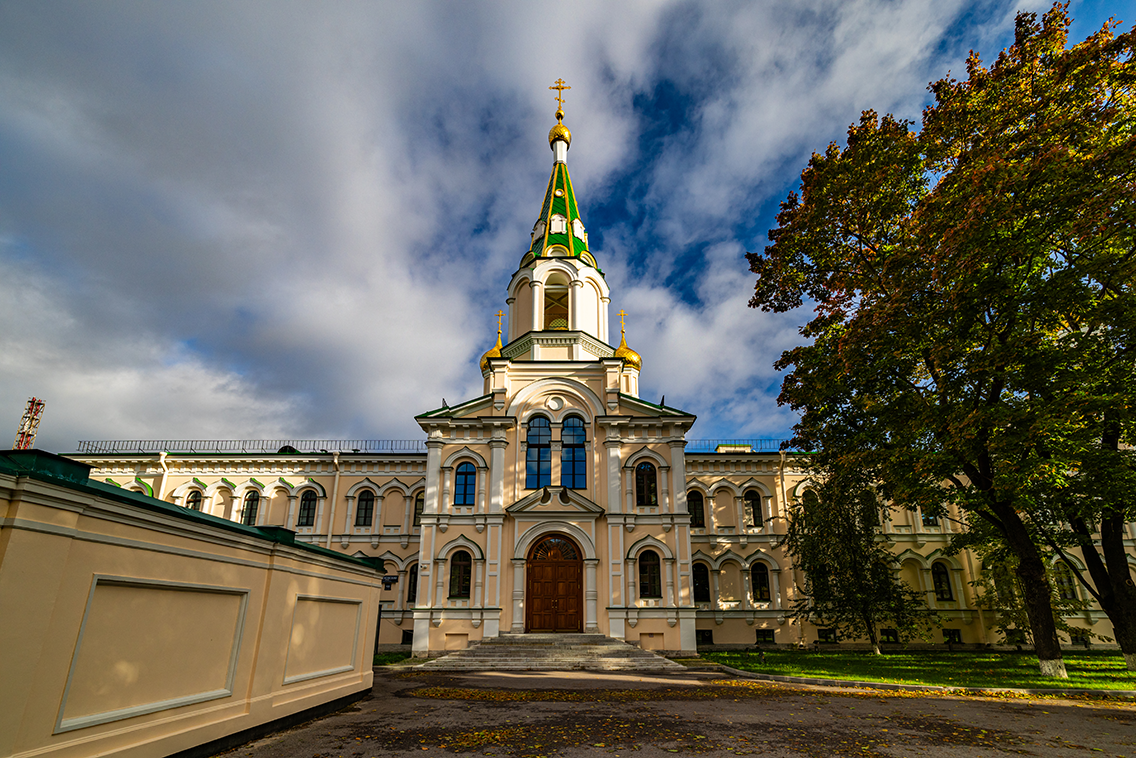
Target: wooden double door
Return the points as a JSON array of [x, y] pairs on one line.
[[554, 586]]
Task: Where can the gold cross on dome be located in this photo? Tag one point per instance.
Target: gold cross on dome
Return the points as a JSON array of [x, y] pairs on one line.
[[621, 314], [560, 86], [499, 315]]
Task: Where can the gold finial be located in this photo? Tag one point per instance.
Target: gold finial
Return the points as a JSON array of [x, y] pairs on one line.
[[495, 351], [560, 132], [560, 86], [623, 352]]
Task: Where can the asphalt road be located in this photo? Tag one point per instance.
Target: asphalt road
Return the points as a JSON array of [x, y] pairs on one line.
[[571, 714]]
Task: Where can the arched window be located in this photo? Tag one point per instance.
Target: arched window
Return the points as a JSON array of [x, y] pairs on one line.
[[365, 508], [466, 481], [1066, 583], [701, 583], [193, 502], [696, 505], [307, 515], [573, 464], [252, 503], [412, 585], [753, 516], [556, 305], [759, 581], [461, 571], [650, 574], [646, 487], [419, 506], [941, 578], [538, 458]]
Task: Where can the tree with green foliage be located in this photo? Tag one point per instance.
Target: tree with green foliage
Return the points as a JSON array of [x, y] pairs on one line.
[[851, 581], [973, 284]]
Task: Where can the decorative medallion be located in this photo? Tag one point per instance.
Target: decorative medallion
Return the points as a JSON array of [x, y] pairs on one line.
[[555, 403]]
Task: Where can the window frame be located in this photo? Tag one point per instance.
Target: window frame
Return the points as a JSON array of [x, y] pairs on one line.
[[941, 581], [251, 497], [538, 452], [754, 504], [765, 595], [195, 500], [700, 512], [461, 575], [695, 581], [419, 507], [650, 567], [307, 508], [646, 486], [573, 454], [412, 585], [370, 502], [465, 484]]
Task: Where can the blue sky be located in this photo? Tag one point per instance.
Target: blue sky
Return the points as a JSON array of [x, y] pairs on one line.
[[245, 220]]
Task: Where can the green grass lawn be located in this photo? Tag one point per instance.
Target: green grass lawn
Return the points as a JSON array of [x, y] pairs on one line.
[[1102, 669], [386, 659]]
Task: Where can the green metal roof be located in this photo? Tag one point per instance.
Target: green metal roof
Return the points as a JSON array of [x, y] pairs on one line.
[[560, 202]]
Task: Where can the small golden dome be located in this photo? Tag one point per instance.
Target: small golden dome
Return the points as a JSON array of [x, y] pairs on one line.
[[495, 351], [559, 131], [627, 355]]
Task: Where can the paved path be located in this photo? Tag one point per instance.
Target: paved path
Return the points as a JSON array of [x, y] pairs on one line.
[[569, 714]]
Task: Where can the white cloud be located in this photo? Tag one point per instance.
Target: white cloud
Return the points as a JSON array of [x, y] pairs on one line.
[[296, 220]]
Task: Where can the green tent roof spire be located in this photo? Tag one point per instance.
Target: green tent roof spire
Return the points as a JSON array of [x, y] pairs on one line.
[[558, 231]]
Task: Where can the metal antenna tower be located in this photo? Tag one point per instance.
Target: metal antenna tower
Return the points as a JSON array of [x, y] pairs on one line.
[[29, 425]]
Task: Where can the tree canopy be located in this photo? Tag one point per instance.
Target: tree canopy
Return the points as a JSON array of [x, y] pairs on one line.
[[973, 286]]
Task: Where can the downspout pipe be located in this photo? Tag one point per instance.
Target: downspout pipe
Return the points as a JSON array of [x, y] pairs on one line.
[[165, 472], [334, 498]]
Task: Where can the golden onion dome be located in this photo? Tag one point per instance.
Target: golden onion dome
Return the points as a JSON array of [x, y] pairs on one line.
[[559, 131], [493, 352], [626, 354]]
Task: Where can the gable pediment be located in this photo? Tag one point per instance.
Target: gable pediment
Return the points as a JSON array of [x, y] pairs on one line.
[[555, 500]]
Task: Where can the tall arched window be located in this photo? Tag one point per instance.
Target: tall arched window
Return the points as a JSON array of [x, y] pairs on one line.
[[419, 506], [941, 578], [759, 581], [252, 503], [573, 465], [650, 575], [365, 508], [701, 583], [696, 505], [646, 487], [752, 499], [465, 484], [461, 571], [538, 458], [193, 501], [412, 585], [307, 515], [556, 305], [1063, 578]]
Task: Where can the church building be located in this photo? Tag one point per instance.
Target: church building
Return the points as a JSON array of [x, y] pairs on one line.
[[556, 501]]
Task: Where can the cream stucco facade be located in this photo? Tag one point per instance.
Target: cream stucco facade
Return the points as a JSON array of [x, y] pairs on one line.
[[558, 499]]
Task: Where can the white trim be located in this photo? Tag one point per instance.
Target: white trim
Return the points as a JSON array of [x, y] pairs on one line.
[[82, 722], [354, 644]]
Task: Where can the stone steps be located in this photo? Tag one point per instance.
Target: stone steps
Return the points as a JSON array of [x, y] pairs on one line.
[[551, 652]]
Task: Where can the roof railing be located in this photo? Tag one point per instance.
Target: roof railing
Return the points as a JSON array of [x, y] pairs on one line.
[[132, 447]]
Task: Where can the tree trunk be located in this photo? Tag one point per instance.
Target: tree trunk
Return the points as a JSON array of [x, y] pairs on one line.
[[1123, 612], [873, 636], [1035, 593]]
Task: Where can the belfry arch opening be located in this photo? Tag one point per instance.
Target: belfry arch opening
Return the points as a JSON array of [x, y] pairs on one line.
[[556, 302]]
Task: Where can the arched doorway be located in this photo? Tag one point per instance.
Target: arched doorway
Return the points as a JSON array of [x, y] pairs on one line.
[[554, 587]]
